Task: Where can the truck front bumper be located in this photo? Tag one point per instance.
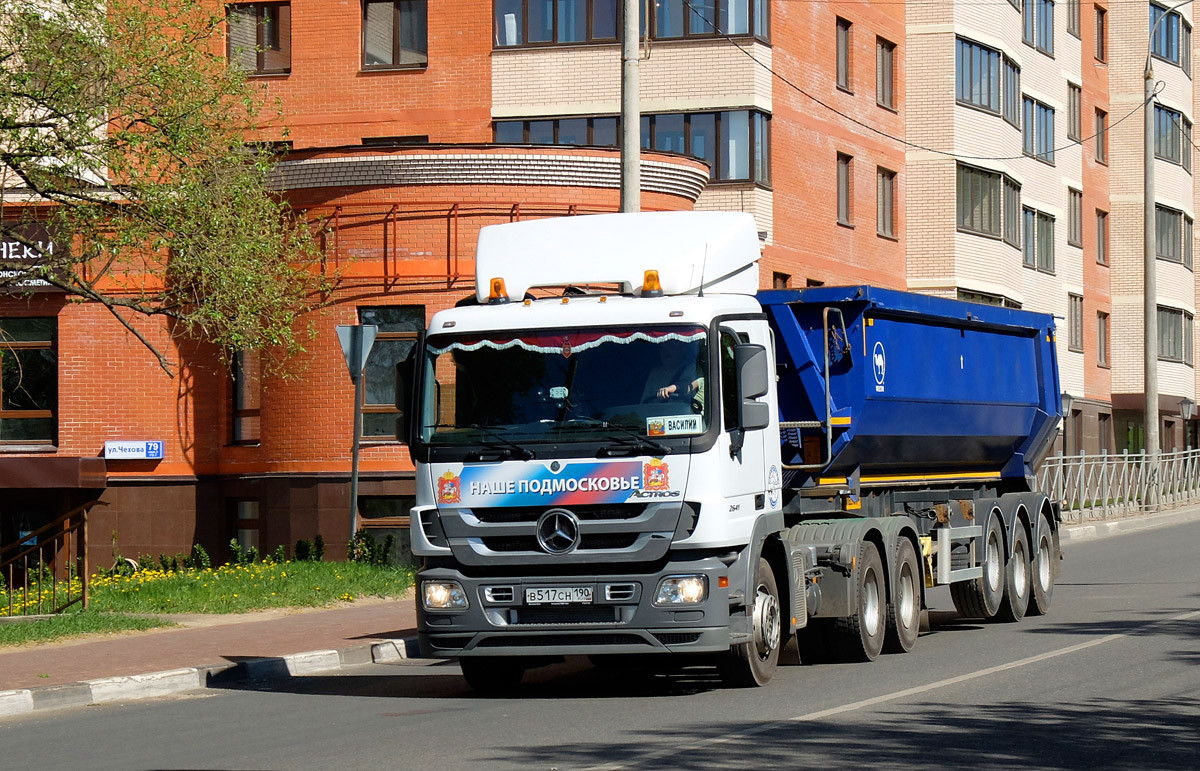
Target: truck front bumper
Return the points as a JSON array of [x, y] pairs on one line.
[[621, 618]]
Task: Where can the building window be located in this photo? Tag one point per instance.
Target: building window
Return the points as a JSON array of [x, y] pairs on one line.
[[1185, 48], [1075, 322], [1038, 130], [985, 298], [246, 524], [542, 22], [1037, 28], [1165, 41], [885, 203], [1074, 115], [735, 144], [247, 394], [1074, 217], [394, 34], [1102, 338], [1102, 237], [1037, 251], [1073, 17], [1101, 136], [1101, 34], [780, 280], [1172, 137], [979, 201], [260, 37], [1045, 26], [1012, 92], [843, 189], [1170, 228], [399, 326], [1174, 335], [843, 54], [28, 381], [977, 76], [743, 152], [1012, 212], [885, 79]]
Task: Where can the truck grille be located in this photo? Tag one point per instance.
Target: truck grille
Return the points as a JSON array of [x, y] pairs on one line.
[[559, 640], [529, 543], [584, 615], [532, 513]]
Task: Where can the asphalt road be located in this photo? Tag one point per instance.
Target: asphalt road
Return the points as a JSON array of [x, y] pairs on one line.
[[1110, 679]]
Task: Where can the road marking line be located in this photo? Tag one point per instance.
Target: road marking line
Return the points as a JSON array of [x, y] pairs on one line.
[[915, 690]]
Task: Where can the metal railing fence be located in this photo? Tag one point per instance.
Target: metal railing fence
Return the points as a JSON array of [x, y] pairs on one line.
[[1093, 487]]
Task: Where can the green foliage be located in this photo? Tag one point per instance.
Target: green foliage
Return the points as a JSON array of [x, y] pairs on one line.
[[199, 559], [280, 554], [318, 547], [72, 625], [303, 550], [127, 115], [364, 548]]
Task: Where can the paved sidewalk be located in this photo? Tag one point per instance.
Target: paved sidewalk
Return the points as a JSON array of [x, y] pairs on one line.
[[272, 644], [206, 650]]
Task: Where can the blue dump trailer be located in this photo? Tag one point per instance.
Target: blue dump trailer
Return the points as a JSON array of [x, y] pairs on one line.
[[654, 458]]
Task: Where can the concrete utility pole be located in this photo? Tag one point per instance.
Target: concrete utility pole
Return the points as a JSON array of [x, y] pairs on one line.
[[631, 114]]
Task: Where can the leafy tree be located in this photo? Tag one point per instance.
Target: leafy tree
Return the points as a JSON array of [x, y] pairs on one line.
[[127, 179]]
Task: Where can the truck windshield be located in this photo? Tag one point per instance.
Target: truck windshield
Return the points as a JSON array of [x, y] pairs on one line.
[[502, 389]]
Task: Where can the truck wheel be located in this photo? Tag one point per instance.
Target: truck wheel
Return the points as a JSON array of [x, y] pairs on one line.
[[904, 605], [754, 663], [1016, 578], [980, 597], [492, 676], [1042, 571], [861, 635]]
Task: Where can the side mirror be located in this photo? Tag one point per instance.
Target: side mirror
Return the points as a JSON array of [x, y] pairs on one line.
[[750, 363], [405, 369]]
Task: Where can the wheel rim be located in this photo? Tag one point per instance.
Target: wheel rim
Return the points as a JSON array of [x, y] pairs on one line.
[[766, 623], [1043, 568], [908, 596], [871, 611], [1020, 573], [993, 563]]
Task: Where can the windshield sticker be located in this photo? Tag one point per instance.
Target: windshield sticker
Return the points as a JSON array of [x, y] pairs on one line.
[[674, 425], [536, 485], [568, 345]]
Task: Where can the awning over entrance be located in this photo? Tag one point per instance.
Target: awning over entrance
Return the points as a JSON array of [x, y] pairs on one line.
[[34, 472]]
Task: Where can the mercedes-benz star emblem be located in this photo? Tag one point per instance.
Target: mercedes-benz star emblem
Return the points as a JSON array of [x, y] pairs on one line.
[[558, 531]]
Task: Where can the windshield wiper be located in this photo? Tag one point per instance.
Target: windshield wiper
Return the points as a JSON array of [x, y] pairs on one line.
[[639, 441], [501, 444]]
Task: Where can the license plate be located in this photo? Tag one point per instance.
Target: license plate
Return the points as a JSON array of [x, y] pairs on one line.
[[558, 595]]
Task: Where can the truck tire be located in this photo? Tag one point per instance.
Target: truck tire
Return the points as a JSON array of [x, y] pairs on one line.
[[753, 664], [904, 603], [492, 676], [1042, 571], [860, 636], [980, 597], [1016, 577]]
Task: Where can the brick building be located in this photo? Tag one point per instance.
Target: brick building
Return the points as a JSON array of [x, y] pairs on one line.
[[409, 124]]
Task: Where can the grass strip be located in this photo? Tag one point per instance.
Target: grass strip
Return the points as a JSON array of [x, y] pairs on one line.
[[72, 625]]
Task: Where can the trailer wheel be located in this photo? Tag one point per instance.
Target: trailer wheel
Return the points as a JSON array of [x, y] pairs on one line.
[[1016, 578], [980, 597], [861, 634], [492, 676], [754, 663], [904, 605], [1042, 571]]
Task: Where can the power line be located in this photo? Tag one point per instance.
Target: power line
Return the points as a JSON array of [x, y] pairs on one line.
[[913, 145]]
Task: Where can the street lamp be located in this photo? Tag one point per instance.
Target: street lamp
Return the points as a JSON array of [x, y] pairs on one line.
[[1150, 268]]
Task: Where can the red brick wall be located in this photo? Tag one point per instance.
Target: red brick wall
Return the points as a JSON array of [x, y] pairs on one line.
[[329, 100], [809, 244]]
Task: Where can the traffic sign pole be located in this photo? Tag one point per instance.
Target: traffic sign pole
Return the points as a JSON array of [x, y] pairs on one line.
[[356, 340]]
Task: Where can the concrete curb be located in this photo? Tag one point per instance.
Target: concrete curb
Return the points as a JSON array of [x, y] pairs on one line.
[[155, 684], [1084, 531]]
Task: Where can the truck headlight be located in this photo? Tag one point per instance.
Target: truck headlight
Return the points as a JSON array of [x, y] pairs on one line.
[[682, 590], [443, 595]]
